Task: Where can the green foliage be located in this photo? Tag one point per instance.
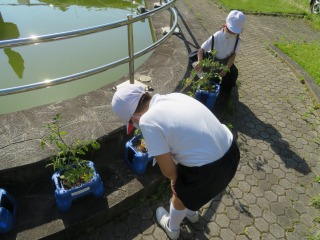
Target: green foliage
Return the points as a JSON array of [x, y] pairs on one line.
[[314, 21], [137, 131], [317, 219], [270, 6], [315, 201], [304, 54], [211, 70], [316, 179], [163, 191], [229, 125], [69, 158], [315, 237]]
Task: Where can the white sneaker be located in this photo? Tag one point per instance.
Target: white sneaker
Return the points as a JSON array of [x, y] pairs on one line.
[[193, 218], [163, 220]]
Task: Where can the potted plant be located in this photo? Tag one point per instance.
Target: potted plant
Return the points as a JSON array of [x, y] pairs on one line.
[[73, 176], [205, 86], [136, 153]]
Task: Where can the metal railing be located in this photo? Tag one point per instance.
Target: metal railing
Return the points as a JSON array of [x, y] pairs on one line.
[[76, 33]]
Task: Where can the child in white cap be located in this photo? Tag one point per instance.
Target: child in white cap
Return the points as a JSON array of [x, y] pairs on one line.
[[176, 126], [227, 44]]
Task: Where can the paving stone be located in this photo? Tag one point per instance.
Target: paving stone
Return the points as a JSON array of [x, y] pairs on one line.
[[237, 227], [271, 196], [277, 208], [147, 227], [284, 222], [285, 184], [261, 224], [293, 235], [134, 220], [222, 220], [133, 233], [244, 186], [267, 236], [246, 220], [232, 213], [227, 200], [249, 198], [263, 203], [277, 231], [247, 170], [264, 185], [226, 233], [278, 190], [269, 216], [214, 229], [255, 211], [159, 234], [149, 237], [120, 229], [241, 237], [252, 181], [252, 232], [285, 201]]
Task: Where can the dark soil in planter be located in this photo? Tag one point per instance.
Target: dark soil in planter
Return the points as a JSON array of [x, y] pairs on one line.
[[78, 181]]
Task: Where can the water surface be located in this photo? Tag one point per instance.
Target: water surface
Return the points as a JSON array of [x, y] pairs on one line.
[[34, 63]]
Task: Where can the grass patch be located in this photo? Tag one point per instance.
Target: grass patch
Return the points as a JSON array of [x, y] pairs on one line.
[[303, 54], [270, 6], [313, 21], [291, 7]]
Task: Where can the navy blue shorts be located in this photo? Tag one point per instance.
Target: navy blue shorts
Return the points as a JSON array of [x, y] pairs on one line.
[[196, 186]]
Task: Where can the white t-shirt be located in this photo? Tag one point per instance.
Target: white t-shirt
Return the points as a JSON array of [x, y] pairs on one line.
[[223, 45], [183, 126]]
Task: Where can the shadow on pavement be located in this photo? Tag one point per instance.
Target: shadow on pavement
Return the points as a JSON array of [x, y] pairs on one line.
[[248, 124]]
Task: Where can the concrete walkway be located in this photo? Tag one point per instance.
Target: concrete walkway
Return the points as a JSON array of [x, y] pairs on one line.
[[276, 129]]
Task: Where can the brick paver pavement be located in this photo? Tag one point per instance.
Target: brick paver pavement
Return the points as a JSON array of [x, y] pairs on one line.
[[278, 134]]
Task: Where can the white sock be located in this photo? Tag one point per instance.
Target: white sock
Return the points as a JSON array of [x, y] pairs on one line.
[[191, 213], [176, 217]]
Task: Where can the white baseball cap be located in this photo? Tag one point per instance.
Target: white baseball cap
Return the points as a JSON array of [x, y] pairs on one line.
[[125, 100], [235, 21]]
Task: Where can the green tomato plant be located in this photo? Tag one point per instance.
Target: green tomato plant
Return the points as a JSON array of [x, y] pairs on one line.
[[211, 69], [69, 159]]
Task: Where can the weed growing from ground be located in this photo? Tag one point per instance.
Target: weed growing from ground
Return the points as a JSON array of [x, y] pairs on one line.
[[315, 201]]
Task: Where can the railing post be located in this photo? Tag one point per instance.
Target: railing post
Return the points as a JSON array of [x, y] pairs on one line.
[[130, 49], [171, 18]]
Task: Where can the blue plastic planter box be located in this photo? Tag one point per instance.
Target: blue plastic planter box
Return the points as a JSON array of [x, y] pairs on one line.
[[138, 161], [8, 211], [65, 197], [208, 98]]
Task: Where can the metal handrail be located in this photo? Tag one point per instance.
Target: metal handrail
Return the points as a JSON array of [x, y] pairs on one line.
[[86, 31]]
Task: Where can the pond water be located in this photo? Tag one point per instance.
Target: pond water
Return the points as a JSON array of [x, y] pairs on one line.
[[38, 62]]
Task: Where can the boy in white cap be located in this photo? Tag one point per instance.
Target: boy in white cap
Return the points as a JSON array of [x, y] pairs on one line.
[[176, 126], [227, 44]]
